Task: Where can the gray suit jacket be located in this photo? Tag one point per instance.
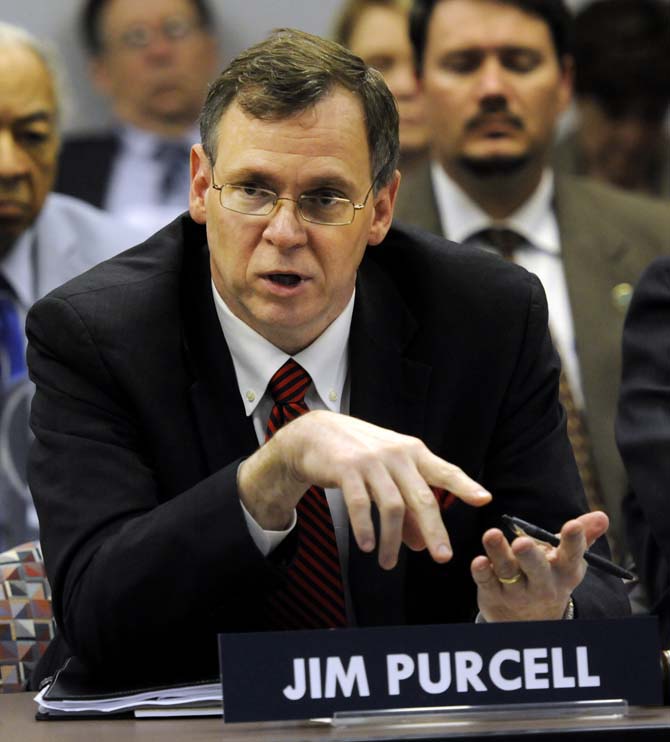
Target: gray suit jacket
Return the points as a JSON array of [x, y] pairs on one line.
[[608, 237], [73, 236], [70, 237]]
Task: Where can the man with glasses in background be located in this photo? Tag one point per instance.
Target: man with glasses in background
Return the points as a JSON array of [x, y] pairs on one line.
[[152, 60], [267, 415]]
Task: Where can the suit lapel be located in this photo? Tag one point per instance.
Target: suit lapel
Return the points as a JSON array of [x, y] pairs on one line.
[[226, 433], [599, 261], [595, 261], [389, 390], [57, 259]]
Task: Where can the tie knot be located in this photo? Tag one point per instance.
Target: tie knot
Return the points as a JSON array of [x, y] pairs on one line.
[[289, 383], [503, 240]]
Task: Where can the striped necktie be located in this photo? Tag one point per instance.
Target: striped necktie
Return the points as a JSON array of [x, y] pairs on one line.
[[313, 595], [504, 241]]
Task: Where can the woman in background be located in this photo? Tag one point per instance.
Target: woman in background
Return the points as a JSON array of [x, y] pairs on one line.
[[378, 31]]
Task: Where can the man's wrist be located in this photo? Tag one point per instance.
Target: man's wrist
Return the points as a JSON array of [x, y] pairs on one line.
[[568, 614], [260, 491]]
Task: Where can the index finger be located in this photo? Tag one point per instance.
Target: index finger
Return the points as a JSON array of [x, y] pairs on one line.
[[441, 473]]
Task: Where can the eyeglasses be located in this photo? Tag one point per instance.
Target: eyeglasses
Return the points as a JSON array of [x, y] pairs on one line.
[[139, 37], [318, 208]]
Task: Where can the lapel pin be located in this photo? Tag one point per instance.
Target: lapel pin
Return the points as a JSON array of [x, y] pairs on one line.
[[621, 296]]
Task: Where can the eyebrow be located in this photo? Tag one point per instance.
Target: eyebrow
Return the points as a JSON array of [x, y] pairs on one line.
[[36, 117], [332, 180]]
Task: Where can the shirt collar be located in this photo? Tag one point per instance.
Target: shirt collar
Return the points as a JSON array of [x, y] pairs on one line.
[[17, 268], [143, 143], [256, 359], [461, 217]]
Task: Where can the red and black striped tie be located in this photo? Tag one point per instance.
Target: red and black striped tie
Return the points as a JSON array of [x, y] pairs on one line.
[[313, 596]]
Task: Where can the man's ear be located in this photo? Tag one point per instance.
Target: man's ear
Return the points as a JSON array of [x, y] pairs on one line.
[[383, 210], [201, 180]]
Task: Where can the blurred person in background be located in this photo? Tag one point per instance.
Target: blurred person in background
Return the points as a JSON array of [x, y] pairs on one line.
[[497, 75], [45, 239], [152, 60], [643, 434], [622, 86], [378, 31]]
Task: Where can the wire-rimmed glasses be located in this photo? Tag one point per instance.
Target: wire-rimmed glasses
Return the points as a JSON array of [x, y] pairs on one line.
[[317, 208]]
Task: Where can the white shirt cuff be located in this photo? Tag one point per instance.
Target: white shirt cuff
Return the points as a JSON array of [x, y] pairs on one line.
[[266, 541]]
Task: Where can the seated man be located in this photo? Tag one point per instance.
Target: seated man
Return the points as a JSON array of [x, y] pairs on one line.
[[643, 435], [45, 238], [152, 62], [181, 486]]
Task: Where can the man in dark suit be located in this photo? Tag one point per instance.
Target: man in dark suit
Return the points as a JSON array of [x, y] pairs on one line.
[[152, 61], [496, 76], [643, 434], [159, 373]]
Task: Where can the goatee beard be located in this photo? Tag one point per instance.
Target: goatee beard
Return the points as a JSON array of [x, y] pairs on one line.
[[491, 167]]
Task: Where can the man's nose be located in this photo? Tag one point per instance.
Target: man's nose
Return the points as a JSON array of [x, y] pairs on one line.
[[13, 163], [492, 79], [159, 47], [286, 228]]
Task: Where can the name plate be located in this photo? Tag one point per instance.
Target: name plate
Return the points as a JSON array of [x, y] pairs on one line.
[[305, 674]]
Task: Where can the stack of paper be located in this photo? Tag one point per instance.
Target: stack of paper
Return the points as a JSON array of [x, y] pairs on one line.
[[71, 693]]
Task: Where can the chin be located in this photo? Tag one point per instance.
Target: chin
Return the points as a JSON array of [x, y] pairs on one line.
[[494, 165]]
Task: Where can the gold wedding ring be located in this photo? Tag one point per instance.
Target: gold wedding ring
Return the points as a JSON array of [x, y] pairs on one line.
[[510, 580]]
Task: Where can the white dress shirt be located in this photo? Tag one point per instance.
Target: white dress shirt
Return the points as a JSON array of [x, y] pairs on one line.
[[326, 360], [536, 222], [134, 192]]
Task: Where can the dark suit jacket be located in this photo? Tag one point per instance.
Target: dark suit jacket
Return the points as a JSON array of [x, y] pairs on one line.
[[608, 237], [85, 165], [643, 434], [140, 429]]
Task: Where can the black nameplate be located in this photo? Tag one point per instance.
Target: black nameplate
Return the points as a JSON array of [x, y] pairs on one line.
[[306, 674]]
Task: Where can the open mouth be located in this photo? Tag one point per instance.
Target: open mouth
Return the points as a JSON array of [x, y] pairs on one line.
[[285, 279]]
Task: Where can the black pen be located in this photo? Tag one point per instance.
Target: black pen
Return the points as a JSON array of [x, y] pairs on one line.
[[523, 528]]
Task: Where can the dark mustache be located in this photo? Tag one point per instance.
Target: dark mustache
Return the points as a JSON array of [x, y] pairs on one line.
[[494, 107]]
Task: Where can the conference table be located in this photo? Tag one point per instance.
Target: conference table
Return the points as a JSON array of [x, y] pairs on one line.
[[17, 724]]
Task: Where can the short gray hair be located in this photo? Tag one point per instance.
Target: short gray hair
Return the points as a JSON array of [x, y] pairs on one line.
[[11, 35], [293, 70]]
